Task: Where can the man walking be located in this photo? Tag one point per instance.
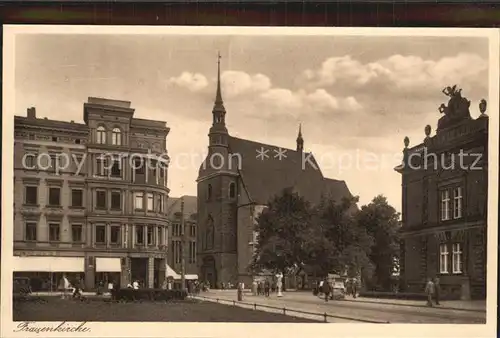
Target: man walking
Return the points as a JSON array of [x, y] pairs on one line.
[[267, 286], [326, 290], [430, 291], [437, 289]]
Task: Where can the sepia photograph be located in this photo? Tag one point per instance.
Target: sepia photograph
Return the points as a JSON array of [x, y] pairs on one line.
[[176, 175]]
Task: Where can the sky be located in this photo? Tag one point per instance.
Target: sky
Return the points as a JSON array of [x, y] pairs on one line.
[[356, 97]]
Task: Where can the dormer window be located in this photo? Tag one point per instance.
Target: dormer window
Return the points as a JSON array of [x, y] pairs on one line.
[[116, 137], [101, 135]]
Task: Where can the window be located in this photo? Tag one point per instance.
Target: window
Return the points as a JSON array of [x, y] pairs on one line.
[[116, 137], [30, 231], [192, 252], [100, 199], [159, 235], [116, 200], [115, 234], [150, 235], [457, 202], [176, 229], [139, 166], [445, 205], [456, 258], [54, 138], [31, 195], [139, 234], [76, 197], [116, 170], [54, 232], [177, 251], [232, 190], [150, 202], [101, 135], [77, 141], [193, 230], [100, 166], [159, 202], [54, 196], [209, 192], [53, 162], [100, 234], [209, 239], [30, 161], [139, 200], [76, 233], [443, 258]]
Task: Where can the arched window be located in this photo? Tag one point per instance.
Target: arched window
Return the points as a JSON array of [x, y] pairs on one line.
[[101, 135], [209, 234], [232, 190], [116, 137], [209, 192]]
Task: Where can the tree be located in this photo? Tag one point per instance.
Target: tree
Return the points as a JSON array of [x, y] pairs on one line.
[[381, 221], [281, 228], [336, 242]]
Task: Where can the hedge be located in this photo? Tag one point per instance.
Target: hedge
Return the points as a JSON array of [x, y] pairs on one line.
[[393, 295], [149, 294]]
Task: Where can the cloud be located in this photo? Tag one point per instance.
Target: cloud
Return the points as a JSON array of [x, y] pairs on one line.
[[398, 73], [191, 81], [236, 82]]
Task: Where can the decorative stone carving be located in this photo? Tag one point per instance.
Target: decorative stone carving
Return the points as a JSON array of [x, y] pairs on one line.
[[457, 109]]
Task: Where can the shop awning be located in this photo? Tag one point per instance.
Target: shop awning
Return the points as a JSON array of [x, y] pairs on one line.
[[108, 264], [171, 273], [191, 276], [48, 264]]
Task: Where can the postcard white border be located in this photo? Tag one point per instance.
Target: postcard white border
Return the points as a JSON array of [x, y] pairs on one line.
[[138, 329]]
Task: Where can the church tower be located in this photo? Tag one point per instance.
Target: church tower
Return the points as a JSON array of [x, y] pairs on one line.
[[300, 140], [217, 199]]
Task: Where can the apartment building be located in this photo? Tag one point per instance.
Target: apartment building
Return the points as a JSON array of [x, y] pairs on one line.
[[90, 198]]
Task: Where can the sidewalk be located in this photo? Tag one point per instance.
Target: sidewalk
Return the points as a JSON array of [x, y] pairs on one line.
[[463, 305]]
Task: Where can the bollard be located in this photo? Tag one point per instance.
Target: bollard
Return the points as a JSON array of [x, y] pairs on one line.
[[325, 315], [234, 302], [217, 300], [284, 310], [254, 306]]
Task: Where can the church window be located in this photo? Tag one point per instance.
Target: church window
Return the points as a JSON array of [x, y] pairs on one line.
[[209, 192], [445, 205], [232, 190], [209, 240]]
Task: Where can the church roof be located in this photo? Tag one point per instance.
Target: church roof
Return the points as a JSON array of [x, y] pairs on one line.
[[174, 207], [266, 176]]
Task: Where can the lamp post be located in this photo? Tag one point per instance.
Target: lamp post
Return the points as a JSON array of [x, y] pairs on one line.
[[183, 243]]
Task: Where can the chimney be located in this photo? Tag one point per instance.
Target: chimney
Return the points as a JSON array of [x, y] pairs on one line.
[[32, 113]]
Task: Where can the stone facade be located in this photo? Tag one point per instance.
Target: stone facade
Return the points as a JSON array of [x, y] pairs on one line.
[[96, 213], [444, 204]]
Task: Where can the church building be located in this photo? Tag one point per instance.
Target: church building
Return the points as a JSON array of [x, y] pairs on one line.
[[235, 182], [444, 204]]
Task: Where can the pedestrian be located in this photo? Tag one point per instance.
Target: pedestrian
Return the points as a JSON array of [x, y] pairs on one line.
[[267, 287], [326, 290], [254, 288], [240, 291], [259, 288], [354, 287], [135, 285], [437, 290], [429, 291]]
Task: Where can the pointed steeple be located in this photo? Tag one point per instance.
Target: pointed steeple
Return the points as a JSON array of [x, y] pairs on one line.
[[218, 132], [218, 104], [300, 140]]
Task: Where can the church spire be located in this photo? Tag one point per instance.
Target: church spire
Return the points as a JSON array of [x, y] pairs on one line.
[[300, 140], [218, 95]]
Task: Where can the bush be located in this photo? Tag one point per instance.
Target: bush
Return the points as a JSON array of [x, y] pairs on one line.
[[393, 295], [150, 294]]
